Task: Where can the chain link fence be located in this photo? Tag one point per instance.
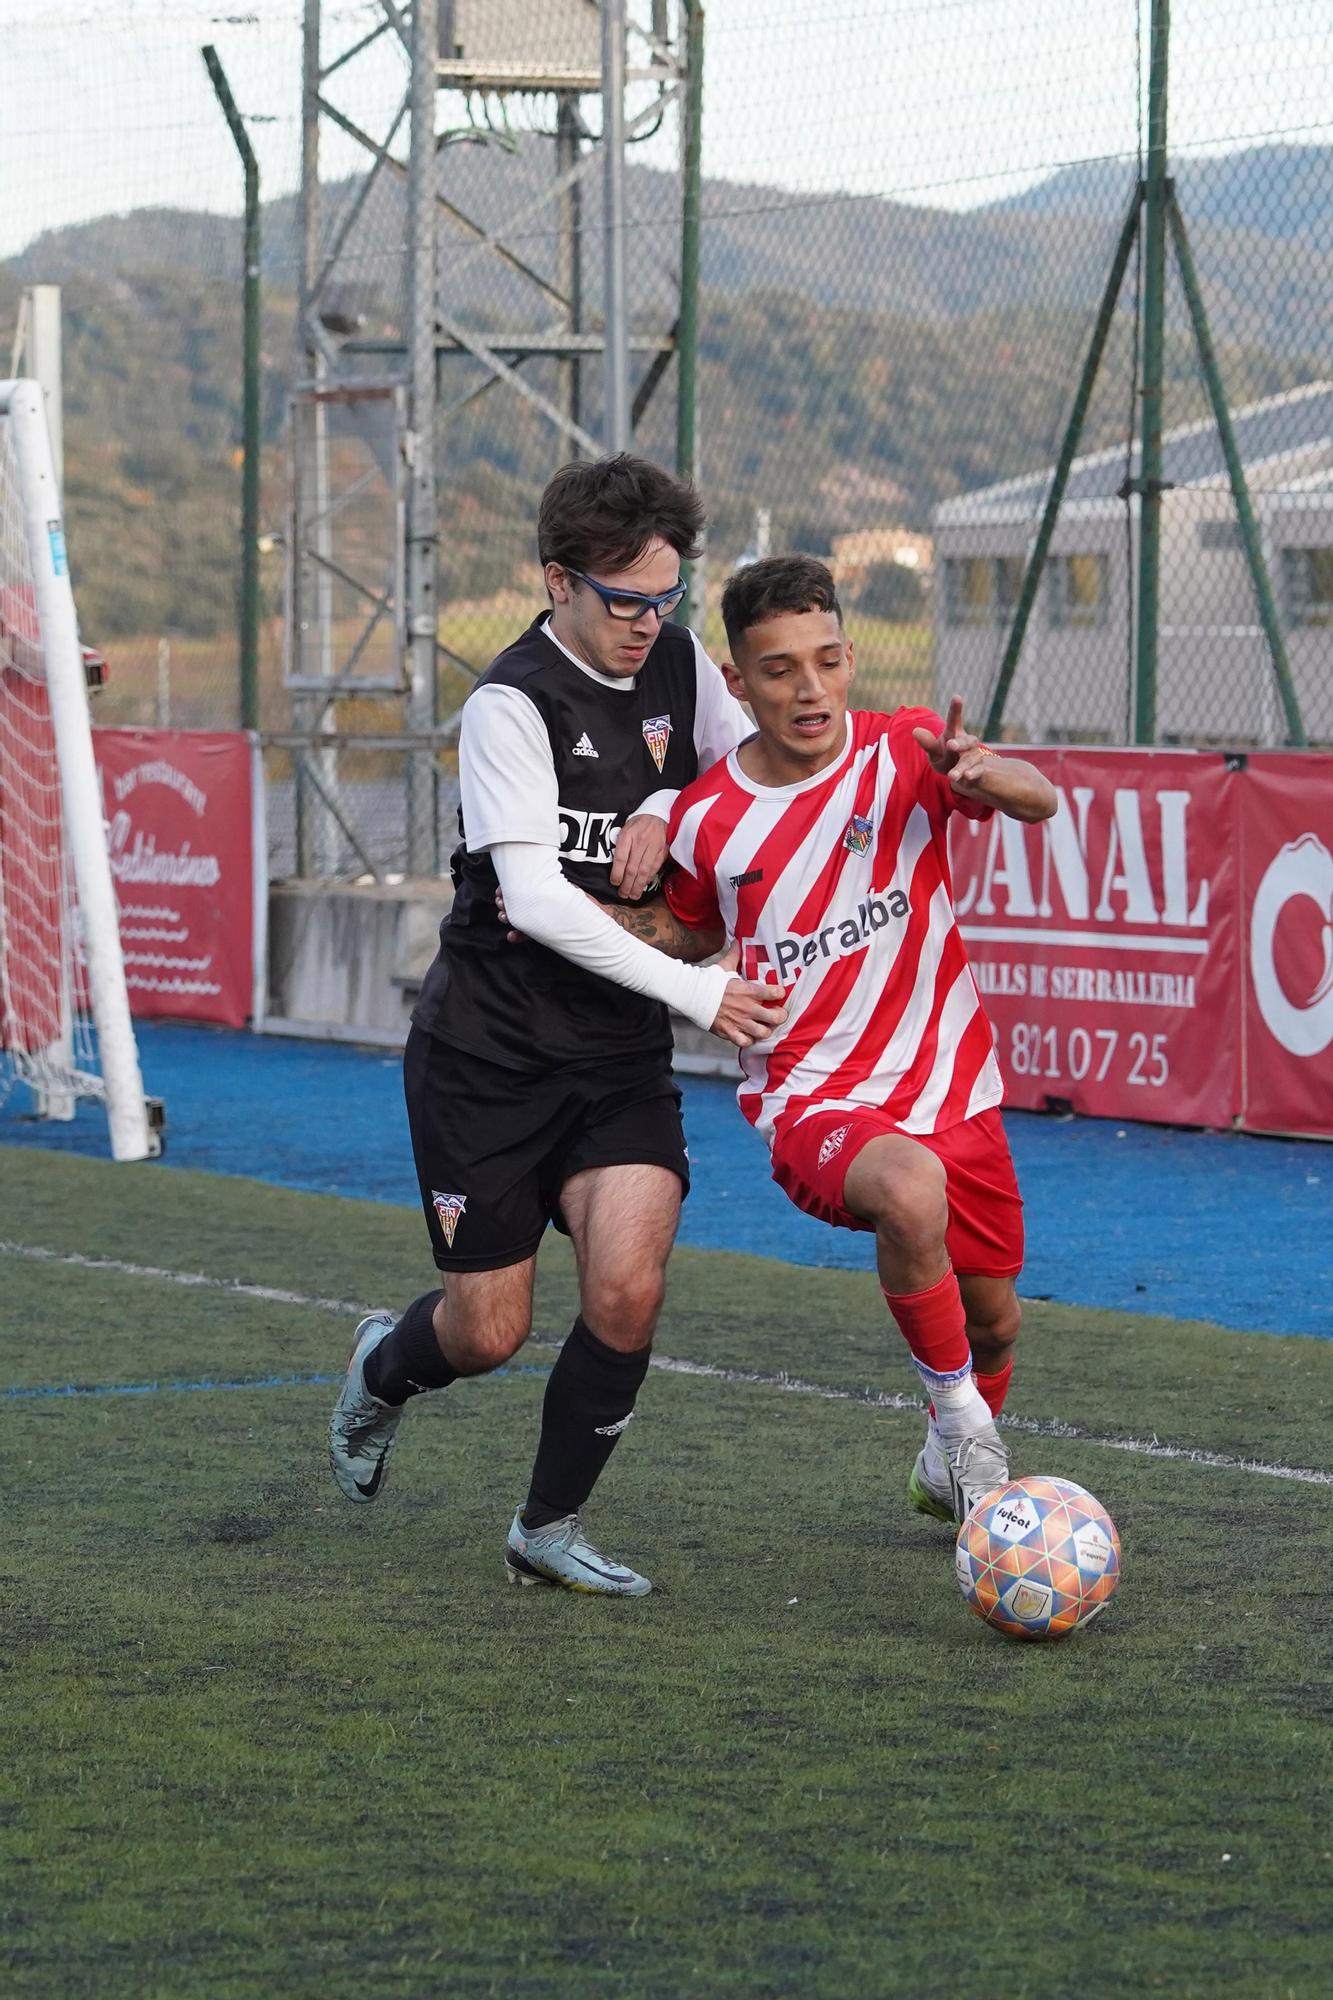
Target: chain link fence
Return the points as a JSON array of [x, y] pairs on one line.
[[910, 217]]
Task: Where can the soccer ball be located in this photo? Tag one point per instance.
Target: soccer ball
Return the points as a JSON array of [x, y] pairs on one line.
[[1038, 1558]]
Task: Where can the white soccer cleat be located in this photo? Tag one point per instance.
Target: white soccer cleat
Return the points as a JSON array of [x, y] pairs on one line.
[[952, 1474], [560, 1553], [362, 1428]]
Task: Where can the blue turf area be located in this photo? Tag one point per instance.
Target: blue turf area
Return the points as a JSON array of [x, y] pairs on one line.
[[1140, 1218]]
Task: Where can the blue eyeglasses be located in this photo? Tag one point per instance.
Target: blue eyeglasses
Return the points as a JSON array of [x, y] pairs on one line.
[[627, 605]]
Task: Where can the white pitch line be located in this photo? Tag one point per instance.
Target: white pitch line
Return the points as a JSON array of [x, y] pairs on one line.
[[197, 1279], [792, 1385]]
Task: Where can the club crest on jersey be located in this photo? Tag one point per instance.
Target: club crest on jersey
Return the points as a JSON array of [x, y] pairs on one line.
[[857, 837], [449, 1207], [657, 734]]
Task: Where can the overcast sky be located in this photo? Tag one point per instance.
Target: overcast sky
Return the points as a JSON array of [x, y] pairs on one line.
[[105, 106]]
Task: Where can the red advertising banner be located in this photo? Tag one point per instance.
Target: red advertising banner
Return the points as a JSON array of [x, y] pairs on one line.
[[1105, 941], [1286, 846], [181, 810]]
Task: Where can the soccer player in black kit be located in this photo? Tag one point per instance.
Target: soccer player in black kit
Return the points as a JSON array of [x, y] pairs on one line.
[[538, 1071]]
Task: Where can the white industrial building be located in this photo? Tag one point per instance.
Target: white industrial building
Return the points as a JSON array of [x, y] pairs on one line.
[[1215, 680]]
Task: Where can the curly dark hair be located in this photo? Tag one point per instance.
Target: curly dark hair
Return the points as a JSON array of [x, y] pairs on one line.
[[601, 514], [779, 583]]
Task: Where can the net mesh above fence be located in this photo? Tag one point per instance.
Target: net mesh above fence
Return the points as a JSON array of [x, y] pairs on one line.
[[909, 215]]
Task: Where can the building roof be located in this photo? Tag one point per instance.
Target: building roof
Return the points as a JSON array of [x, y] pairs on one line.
[[1295, 423]]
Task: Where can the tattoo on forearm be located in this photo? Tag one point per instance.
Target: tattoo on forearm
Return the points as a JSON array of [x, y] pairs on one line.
[[656, 924]]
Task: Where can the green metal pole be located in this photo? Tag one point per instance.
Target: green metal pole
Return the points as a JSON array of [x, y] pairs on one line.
[[1149, 482], [1240, 492], [1027, 597], [249, 605], [687, 333]]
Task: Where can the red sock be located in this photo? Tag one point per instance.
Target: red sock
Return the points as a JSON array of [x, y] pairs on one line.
[[995, 1387], [934, 1325]]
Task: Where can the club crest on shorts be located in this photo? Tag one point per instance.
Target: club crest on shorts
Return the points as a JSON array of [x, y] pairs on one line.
[[449, 1207], [657, 734], [832, 1146], [857, 837]]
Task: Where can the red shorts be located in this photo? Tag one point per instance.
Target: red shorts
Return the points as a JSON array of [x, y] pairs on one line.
[[985, 1234]]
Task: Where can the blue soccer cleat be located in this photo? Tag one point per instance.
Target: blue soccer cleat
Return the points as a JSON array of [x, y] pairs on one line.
[[561, 1554]]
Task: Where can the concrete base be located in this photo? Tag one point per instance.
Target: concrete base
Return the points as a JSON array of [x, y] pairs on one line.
[[346, 963]]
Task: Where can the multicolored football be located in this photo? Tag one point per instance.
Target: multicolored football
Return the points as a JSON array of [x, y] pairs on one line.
[[1038, 1558]]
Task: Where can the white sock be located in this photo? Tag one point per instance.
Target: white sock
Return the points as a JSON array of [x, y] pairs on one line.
[[960, 1407]]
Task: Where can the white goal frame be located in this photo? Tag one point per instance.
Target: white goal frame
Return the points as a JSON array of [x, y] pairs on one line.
[[134, 1134]]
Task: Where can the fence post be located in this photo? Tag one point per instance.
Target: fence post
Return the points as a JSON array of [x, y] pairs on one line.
[[1240, 491], [249, 605], [616, 413], [687, 331], [422, 521], [1027, 597], [1149, 482]]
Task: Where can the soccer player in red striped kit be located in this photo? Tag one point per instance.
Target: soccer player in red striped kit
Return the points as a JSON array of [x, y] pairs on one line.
[[819, 846]]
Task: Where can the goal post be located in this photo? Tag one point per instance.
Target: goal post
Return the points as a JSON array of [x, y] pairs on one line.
[[65, 1027]]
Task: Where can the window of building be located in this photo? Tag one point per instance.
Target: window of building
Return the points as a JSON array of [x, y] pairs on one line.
[[1009, 572], [1219, 535], [1080, 589], [981, 590], [969, 590], [1307, 576]]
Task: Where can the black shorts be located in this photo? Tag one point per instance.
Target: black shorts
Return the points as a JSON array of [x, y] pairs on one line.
[[494, 1147]]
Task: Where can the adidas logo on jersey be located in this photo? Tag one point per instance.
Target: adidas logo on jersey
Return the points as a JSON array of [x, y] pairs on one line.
[[583, 748]]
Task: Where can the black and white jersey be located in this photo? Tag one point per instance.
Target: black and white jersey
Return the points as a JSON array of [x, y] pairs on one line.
[[554, 753]]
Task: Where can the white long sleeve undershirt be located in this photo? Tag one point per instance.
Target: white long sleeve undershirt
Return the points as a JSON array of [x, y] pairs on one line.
[[542, 903]]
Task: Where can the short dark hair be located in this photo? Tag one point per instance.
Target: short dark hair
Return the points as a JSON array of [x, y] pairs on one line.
[[762, 590], [601, 514]]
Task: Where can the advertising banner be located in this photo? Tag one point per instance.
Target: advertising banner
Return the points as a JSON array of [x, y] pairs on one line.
[[1286, 845], [1105, 941], [183, 811]]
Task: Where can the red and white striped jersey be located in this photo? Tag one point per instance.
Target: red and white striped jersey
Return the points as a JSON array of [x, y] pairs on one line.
[[838, 888]]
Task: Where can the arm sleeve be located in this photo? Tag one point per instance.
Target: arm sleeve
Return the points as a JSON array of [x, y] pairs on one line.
[[720, 723], [506, 776], [545, 906]]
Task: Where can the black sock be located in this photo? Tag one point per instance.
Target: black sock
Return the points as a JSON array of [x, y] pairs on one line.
[[409, 1360], [589, 1400]]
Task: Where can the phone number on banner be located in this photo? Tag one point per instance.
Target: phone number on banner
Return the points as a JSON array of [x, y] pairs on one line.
[[1073, 1054]]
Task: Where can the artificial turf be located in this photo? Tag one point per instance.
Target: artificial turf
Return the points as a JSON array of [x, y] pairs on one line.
[[263, 1743]]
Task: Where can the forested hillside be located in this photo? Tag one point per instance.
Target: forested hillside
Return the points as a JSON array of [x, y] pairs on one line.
[[860, 361]]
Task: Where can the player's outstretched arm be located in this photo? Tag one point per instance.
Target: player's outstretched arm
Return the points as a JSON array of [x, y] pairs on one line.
[[749, 1011], [541, 904], [975, 771], [658, 925]]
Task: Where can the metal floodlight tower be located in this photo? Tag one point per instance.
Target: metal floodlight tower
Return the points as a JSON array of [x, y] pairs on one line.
[[611, 69]]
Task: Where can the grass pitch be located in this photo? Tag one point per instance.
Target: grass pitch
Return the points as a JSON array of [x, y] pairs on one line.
[[261, 1743]]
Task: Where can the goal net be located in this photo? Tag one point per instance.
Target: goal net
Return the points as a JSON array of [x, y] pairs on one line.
[[65, 1029]]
